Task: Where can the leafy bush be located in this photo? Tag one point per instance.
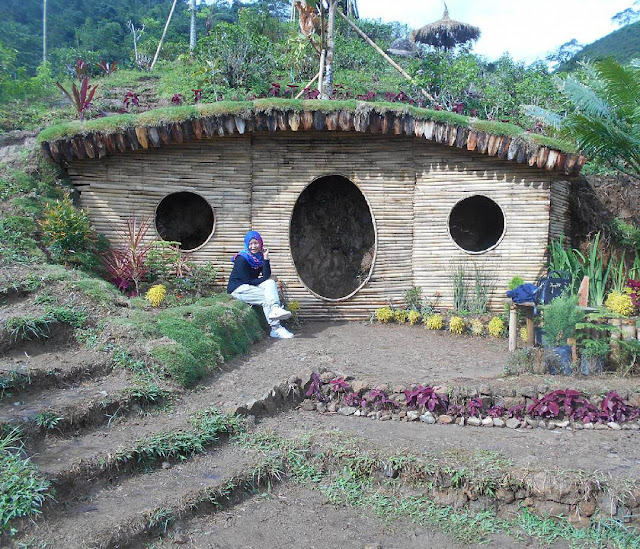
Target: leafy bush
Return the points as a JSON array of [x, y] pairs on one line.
[[384, 314], [515, 282], [496, 327], [156, 295], [413, 317], [560, 319], [16, 242], [456, 325], [435, 322], [620, 303], [66, 232], [476, 326], [400, 316], [426, 397]]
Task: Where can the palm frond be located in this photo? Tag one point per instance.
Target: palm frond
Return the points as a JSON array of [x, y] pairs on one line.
[[543, 115], [585, 99], [622, 84]]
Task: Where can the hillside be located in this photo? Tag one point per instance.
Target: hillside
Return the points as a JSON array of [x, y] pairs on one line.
[[622, 44]]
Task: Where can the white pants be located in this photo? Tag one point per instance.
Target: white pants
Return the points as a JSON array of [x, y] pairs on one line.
[[265, 294]]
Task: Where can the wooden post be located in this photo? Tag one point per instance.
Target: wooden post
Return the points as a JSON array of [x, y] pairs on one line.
[[513, 327], [384, 55], [321, 72], [531, 330]]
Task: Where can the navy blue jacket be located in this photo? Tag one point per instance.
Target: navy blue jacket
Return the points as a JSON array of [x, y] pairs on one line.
[[243, 273]]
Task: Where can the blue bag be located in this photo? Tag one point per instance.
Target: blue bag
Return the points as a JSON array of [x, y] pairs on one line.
[[553, 285], [525, 293]]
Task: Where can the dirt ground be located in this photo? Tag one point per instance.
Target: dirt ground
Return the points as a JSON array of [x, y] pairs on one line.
[[294, 516]]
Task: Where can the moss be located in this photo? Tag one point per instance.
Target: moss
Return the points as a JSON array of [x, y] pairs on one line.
[[497, 128], [551, 142], [186, 369], [271, 104], [166, 115], [325, 106], [98, 290], [224, 107]]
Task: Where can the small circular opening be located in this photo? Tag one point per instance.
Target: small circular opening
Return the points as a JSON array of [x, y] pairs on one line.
[[332, 238], [476, 224], [186, 218]]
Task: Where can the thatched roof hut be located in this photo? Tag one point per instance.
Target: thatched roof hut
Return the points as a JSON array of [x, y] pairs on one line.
[[357, 201], [446, 33]]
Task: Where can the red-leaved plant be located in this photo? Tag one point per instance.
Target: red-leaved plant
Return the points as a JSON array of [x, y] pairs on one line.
[[635, 292], [81, 98], [551, 404], [339, 385], [427, 397], [126, 264], [475, 406], [379, 399], [108, 68], [315, 387]]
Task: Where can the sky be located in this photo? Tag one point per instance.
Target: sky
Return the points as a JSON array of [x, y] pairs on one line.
[[526, 29]]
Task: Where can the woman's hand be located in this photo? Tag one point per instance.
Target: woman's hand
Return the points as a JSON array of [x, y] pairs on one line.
[[265, 253]]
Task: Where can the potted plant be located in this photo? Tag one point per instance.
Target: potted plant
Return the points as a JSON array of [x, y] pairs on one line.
[[593, 354], [560, 319]]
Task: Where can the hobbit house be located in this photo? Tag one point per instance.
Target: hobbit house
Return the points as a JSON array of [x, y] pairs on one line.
[[356, 202]]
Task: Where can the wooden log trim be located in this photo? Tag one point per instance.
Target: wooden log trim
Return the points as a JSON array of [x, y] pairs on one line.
[[101, 144]]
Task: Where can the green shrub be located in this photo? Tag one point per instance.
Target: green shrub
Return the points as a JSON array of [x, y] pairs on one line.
[[184, 368], [560, 319], [66, 232]]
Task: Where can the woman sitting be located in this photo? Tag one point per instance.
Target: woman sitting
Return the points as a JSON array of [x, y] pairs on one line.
[[250, 282]]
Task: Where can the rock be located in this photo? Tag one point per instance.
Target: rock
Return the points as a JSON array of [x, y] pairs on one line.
[[399, 388], [308, 405], [357, 413], [474, 421], [529, 392], [607, 505], [372, 415], [588, 425], [402, 414], [613, 425], [578, 426], [327, 376], [378, 415], [441, 390], [399, 398], [321, 407], [484, 390], [445, 419], [635, 427], [450, 499], [293, 380], [254, 406], [166, 465], [563, 424], [505, 496], [551, 425], [552, 508], [373, 546], [634, 400], [412, 415], [382, 387], [331, 407], [461, 421], [587, 508], [385, 417], [483, 504], [487, 422], [578, 521], [427, 417], [347, 410], [360, 386], [498, 422], [513, 423], [600, 427], [533, 423]]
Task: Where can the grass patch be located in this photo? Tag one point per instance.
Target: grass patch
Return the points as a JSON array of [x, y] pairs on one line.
[[497, 128], [16, 242], [98, 290], [22, 489]]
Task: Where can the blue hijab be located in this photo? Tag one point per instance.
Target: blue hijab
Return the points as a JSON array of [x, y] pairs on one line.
[[254, 260]]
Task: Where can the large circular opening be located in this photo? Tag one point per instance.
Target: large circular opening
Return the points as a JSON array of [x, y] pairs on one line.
[[332, 237], [186, 218], [476, 224]]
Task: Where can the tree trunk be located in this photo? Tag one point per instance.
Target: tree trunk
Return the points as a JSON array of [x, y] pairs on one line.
[[327, 87], [192, 34]]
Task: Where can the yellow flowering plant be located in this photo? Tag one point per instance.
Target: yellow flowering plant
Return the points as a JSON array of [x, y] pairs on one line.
[[477, 327], [414, 317], [156, 295], [400, 316], [620, 303]]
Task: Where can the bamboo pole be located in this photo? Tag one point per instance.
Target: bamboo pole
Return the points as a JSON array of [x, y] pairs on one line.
[[384, 55], [308, 85], [164, 33]]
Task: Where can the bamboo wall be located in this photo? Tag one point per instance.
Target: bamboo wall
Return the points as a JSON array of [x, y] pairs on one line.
[[253, 181]]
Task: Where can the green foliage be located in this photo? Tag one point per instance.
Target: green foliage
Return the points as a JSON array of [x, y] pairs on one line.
[[47, 420], [604, 122], [413, 298], [16, 240], [625, 233], [22, 488], [67, 232], [515, 282], [560, 319]]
